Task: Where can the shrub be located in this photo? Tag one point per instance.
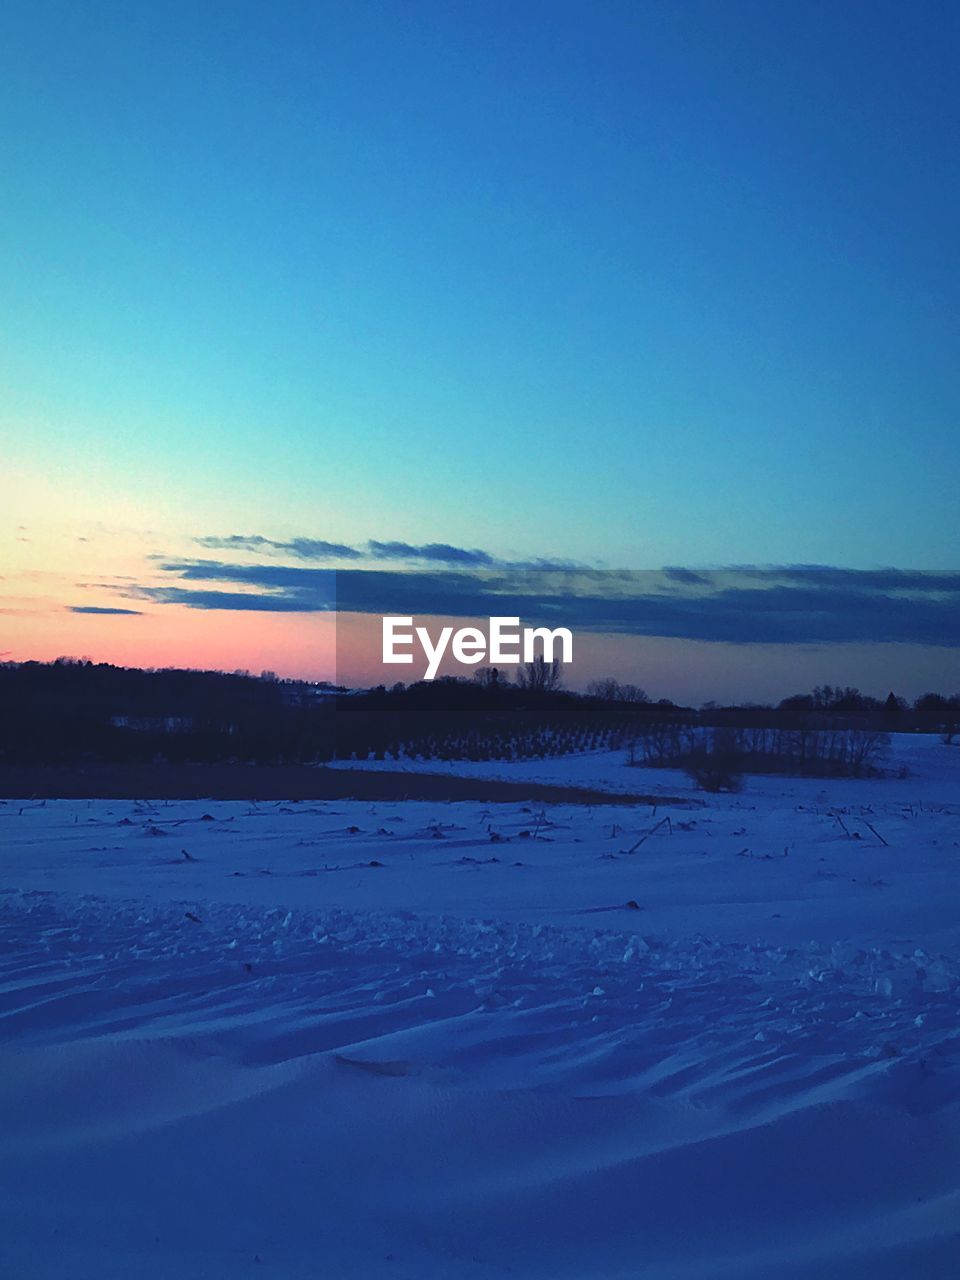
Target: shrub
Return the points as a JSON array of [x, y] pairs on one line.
[[714, 772]]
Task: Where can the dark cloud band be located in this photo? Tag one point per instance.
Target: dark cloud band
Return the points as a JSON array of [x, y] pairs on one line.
[[817, 605]]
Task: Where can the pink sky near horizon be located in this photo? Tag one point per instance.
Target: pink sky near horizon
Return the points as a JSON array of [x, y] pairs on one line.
[[346, 647], [301, 645]]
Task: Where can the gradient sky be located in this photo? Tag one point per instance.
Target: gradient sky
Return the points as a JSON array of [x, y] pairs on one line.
[[627, 284]]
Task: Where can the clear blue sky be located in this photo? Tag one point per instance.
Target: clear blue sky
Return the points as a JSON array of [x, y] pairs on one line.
[[632, 283]]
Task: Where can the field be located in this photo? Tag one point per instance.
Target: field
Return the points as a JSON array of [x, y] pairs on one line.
[[509, 1033]]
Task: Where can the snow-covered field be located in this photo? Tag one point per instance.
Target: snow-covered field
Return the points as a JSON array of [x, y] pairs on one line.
[[424, 1040]]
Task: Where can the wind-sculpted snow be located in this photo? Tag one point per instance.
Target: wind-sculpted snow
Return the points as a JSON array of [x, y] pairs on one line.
[[432, 1041], [268, 985]]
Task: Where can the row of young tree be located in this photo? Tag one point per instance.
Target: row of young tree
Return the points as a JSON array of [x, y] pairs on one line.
[[718, 756]]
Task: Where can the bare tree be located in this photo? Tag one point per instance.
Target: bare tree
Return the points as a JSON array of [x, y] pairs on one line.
[[606, 689], [540, 676], [611, 690], [490, 677]]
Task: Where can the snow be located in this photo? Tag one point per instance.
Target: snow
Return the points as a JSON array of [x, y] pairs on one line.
[[454, 1040]]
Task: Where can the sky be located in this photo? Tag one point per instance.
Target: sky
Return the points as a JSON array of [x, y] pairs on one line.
[[619, 285]]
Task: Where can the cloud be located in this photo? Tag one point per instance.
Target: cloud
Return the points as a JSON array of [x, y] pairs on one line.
[[236, 601], [303, 548], [688, 577], [270, 576], [438, 552], [276, 588], [924, 581], [739, 606], [96, 608]]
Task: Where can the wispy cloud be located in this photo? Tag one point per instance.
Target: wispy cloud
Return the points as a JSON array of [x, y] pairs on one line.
[[304, 548], [433, 552], [923, 581], [688, 577], [96, 608], [289, 601], [792, 605]]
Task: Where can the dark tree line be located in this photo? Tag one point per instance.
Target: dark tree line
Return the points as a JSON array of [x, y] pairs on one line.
[[69, 711]]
